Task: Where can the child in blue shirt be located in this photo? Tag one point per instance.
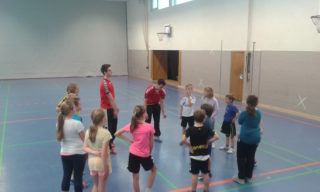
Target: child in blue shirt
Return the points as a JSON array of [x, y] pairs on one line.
[[228, 126]]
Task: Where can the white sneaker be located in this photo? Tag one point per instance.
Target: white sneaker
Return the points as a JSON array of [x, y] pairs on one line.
[[230, 151], [223, 148], [213, 145]]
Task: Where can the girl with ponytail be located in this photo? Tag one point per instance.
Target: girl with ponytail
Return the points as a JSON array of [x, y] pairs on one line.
[[141, 146], [250, 121], [70, 134], [96, 144]]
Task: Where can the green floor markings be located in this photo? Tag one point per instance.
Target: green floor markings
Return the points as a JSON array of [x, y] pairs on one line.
[[294, 163], [4, 127], [31, 143], [159, 173], [288, 151], [271, 181]]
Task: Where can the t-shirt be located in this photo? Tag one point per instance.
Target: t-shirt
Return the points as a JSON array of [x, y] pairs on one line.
[[153, 96], [77, 117], [231, 112], [187, 111], [208, 122], [95, 162], [106, 87], [250, 127], [72, 143], [141, 139], [199, 137], [214, 103]]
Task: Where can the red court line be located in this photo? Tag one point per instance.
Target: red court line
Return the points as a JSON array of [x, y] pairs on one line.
[[216, 183], [289, 169], [293, 120]]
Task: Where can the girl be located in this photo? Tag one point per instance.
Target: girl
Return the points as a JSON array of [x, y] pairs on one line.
[[250, 136], [141, 146], [209, 98], [70, 134], [96, 144], [72, 88]]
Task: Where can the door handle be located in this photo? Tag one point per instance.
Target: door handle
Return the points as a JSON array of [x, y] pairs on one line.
[[241, 76]]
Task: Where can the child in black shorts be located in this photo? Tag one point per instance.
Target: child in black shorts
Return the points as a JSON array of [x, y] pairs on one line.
[[200, 138], [228, 125], [186, 109]]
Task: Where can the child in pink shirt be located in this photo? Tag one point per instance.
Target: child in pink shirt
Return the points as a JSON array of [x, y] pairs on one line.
[[141, 146]]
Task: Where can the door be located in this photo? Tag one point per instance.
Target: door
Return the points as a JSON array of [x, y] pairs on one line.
[[236, 74], [159, 65]]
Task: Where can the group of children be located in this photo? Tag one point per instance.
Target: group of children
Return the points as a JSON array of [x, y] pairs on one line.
[[198, 135]]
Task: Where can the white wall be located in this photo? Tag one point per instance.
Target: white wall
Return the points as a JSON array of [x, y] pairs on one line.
[[198, 25], [56, 38], [285, 25]]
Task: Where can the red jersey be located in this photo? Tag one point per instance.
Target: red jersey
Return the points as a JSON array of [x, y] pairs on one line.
[[106, 87], [152, 96]]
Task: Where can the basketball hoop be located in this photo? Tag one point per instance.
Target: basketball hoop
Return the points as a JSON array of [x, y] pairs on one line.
[[167, 32], [161, 35], [316, 21]]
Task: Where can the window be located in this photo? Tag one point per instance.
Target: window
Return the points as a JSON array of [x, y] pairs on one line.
[[178, 2], [161, 4]]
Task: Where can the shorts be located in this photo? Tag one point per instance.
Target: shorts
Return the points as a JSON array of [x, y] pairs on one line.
[[97, 173], [187, 120], [229, 129], [197, 166], [135, 162]]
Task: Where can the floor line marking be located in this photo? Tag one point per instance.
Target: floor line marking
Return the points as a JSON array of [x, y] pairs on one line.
[[4, 127], [31, 143], [288, 151], [216, 183]]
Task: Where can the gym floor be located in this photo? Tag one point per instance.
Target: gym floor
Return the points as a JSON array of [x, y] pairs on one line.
[[288, 156]]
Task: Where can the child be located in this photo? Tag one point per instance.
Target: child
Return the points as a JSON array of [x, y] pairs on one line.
[[70, 134], [186, 109], [71, 88], [208, 109], [208, 98], [96, 144], [198, 146], [141, 146], [78, 107], [228, 126]]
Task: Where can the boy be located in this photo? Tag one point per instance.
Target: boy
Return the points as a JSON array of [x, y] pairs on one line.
[[198, 146], [154, 103], [208, 109], [186, 109], [228, 126]]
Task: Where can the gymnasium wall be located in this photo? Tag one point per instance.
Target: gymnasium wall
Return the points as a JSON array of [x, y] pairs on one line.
[[61, 38], [287, 52]]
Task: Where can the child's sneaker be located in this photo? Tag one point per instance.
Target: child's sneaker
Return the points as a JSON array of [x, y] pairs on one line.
[[230, 151], [224, 147], [200, 177], [238, 180], [213, 145], [157, 139], [248, 180]]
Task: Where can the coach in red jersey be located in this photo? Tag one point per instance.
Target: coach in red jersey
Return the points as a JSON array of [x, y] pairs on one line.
[[154, 102], [108, 103]]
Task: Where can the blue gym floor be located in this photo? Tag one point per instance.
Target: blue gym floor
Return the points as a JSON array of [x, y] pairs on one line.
[[288, 157]]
